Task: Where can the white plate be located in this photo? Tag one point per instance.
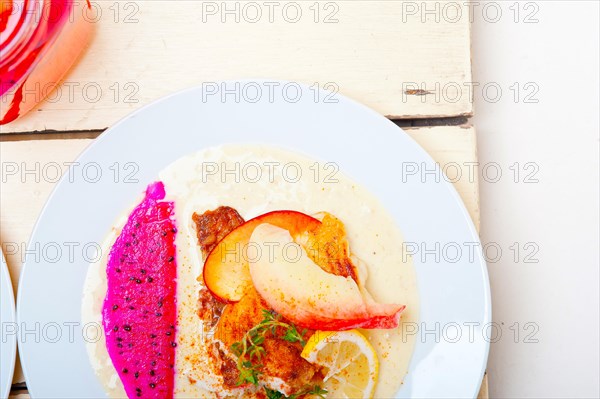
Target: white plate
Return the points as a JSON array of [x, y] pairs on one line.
[[368, 147], [8, 337]]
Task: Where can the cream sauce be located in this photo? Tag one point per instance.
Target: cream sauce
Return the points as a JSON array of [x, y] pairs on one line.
[[255, 180]]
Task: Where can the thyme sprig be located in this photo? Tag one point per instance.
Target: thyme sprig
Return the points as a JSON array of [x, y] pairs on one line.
[[251, 349], [315, 390]]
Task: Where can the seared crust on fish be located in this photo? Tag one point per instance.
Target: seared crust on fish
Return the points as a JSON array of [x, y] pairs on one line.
[[209, 308], [213, 226], [283, 369]]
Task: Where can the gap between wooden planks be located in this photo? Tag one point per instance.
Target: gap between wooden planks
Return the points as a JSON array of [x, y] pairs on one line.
[[22, 201], [389, 54]]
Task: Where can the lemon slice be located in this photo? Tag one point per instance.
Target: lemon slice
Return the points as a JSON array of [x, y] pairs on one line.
[[349, 361]]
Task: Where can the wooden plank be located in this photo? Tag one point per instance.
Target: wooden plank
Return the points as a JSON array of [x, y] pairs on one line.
[[484, 392], [382, 52], [21, 200], [454, 148]]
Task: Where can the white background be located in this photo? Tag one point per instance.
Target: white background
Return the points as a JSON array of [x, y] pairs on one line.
[[560, 134]]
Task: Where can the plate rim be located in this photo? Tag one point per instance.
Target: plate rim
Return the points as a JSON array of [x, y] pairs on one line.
[[487, 314], [12, 345]]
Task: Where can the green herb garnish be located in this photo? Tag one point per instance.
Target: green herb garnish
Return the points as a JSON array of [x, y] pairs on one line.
[[250, 349], [313, 390], [273, 394]]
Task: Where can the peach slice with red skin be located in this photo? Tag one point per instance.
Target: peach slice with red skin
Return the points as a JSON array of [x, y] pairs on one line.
[[226, 273], [302, 292]]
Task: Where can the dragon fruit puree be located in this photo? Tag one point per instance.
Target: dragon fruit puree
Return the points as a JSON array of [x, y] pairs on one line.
[[139, 311]]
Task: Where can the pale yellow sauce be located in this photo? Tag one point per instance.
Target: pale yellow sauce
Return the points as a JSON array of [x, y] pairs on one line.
[[198, 183]]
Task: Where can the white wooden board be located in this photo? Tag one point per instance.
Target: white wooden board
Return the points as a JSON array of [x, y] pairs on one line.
[[380, 52]]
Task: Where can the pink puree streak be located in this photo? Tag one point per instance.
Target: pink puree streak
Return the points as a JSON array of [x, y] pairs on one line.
[[140, 309]]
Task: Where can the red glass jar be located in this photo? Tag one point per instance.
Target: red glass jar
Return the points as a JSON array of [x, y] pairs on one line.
[[39, 41]]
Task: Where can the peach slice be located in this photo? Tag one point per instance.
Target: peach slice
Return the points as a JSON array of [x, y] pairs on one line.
[[302, 292], [226, 272]]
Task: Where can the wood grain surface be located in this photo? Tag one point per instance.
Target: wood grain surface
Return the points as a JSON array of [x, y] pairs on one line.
[[394, 56]]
